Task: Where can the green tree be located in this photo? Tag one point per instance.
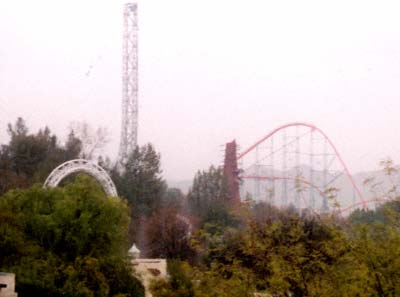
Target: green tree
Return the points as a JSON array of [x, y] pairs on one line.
[[207, 198], [66, 241], [29, 158], [73, 146], [141, 183], [281, 254], [376, 241]]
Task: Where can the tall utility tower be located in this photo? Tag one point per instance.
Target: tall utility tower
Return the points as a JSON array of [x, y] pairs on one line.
[[129, 83]]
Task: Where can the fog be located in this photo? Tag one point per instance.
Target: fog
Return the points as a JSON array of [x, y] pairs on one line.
[[210, 72]]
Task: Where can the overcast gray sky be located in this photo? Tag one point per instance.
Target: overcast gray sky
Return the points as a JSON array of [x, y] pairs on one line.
[[210, 71]]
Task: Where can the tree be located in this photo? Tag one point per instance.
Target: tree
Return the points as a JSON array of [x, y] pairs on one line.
[[73, 146], [141, 183], [168, 235], [29, 158], [9, 179], [281, 255], [207, 198], [140, 180], [375, 237], [66, 241], [92, 141]]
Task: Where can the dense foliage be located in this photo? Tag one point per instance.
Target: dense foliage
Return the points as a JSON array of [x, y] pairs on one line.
[[286, 254], [140, 182], [29, 158], [207, 198], [66, 242], [279, 252]]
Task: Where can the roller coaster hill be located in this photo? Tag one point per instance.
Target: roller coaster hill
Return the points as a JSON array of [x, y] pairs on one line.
[[295, 165]]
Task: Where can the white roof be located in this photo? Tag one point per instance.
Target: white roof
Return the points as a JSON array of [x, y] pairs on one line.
[[134, 250]]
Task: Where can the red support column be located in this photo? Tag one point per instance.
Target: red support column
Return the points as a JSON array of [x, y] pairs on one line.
[[231, 172]]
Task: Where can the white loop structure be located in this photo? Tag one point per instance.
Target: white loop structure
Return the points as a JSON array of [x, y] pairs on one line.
[[81, 165]]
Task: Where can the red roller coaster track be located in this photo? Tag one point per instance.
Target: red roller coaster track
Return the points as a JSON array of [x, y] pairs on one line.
[[362, 202]]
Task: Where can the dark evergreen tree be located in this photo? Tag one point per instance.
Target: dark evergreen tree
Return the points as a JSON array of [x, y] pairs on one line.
[[140, 180], [141, 183], [29, 158], [207, 198]]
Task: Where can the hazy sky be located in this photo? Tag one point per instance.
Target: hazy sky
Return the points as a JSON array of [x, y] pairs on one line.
[[210, 71]]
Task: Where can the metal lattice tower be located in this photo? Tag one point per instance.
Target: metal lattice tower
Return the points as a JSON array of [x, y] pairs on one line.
[[129, 83]]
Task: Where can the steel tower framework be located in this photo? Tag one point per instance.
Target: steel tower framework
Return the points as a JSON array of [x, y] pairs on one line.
[[129, 125]]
